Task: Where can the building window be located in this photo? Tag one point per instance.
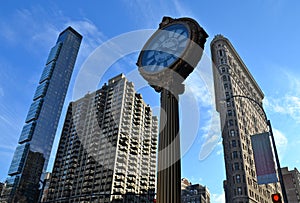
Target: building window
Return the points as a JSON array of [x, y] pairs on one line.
[[232, 133], [239, 191], [227, 95], [238, 178], [230, 122], [223, 61], [236, 166], [226, 86], [234, 155], [233, 143], [220, 52], [228, 104]]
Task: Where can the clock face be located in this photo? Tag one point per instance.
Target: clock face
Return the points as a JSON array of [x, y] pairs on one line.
[[165, 48]]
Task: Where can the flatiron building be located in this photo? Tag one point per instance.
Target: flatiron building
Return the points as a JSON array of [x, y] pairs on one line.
[[240, 118]]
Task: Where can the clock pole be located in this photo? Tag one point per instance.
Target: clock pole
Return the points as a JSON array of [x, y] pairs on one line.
[[179, 51], [169, 165]]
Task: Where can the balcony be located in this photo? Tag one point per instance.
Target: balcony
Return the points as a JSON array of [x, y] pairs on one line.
[[119, 184], [134, 147], [144, 177], [145, 168], [132, 169], [146, 143], [131, 185], [121, 171], [118, 190], [120, 178], [133, 158], [123, 140], [126, 127], [121, 159], [123, 148], [131, 179], [133, 152]]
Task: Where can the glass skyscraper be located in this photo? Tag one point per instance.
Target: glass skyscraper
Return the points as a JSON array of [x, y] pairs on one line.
[[34, 146]]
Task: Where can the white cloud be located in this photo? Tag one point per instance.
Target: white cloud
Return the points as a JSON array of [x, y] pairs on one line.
[[293, 82], [281, 142], [200, 86], [198, 89], [212, 135], [143, 11], [217, 198], [201, 82], [150, 15], [92, 36], [180, 9], [288, 105], [38, 31], [42, 32]]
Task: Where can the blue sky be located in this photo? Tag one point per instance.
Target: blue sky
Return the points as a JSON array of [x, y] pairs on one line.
[[264, 33]]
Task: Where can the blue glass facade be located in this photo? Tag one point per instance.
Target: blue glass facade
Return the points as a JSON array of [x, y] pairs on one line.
[[41, 90], [34, 110], [47, 72], [18, 159], [32, 154], [27, 132]]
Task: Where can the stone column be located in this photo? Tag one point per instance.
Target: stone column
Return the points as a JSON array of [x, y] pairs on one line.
[[169, 166]]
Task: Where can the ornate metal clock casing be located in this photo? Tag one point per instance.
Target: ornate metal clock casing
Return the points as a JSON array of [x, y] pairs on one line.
[[177, 46]]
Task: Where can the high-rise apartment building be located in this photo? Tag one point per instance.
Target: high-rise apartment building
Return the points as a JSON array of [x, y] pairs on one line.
[[291, 180], [240, 118], [107, 149], [34, 146]]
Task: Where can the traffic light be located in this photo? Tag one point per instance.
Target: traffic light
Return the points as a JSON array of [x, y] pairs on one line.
[[276, 198]]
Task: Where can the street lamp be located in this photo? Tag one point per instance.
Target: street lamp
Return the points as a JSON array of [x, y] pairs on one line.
[[268, 122]]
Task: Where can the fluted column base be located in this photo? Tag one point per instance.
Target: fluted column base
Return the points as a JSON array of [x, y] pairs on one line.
[[169, 166]]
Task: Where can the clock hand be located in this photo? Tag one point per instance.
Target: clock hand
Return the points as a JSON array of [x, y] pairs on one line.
[[181, 34]]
